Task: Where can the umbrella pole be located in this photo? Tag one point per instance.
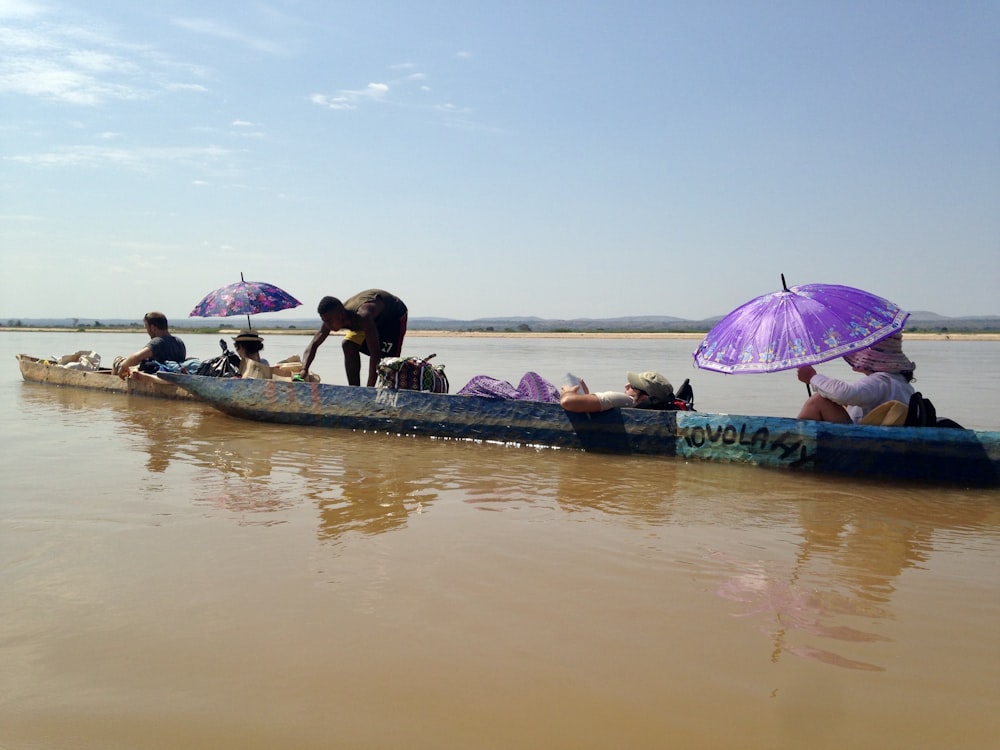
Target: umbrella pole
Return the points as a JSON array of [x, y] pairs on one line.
[[250, 326]]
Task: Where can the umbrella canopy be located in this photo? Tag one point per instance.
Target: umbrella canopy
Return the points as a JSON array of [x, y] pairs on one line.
[[804, 325], [243, 298]]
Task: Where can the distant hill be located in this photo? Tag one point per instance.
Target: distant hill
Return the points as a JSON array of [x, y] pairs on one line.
[[921, 321], [531, 323], [929, 322], [926, 317]]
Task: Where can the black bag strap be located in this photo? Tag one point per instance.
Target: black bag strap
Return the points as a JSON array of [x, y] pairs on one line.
[[916, 415], [922, 413]]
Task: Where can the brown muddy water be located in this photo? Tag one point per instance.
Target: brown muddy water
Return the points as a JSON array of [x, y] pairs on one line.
[[174, 578]]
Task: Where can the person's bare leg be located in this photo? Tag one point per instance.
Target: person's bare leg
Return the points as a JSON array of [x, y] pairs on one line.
[[821, 409], [352, 362], [148, 377]]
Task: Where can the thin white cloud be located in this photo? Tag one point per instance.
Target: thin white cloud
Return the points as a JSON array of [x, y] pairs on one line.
[[451, 109], [196, 87], [74, 63], [207, 27], [10, 9], [147, 254], [64, 80], [349, 99], [243, 129], [452, 115], [97, 61], [137, 159]]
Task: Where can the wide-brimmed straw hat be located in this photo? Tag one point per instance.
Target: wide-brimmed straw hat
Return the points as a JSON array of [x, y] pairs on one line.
[[885, 356], [246, 335], [654, 384], [889, 414]]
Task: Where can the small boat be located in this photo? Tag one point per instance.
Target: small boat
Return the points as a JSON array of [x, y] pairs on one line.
[[36, 370], [932, 454]]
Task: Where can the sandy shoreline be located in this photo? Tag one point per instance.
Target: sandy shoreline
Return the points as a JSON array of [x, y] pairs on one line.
[[501, 334]]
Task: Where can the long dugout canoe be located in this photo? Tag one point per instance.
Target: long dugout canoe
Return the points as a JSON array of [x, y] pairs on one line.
[[37, 370], [964, 457]]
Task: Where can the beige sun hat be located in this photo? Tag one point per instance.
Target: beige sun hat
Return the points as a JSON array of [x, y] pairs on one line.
[[653, 383], [889, 414]]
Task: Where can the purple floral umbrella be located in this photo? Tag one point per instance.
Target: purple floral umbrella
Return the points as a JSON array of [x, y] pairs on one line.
[[243, 298], [804, 325]]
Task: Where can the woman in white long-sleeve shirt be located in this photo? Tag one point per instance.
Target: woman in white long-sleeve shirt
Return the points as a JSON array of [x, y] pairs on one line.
[[888, 375]]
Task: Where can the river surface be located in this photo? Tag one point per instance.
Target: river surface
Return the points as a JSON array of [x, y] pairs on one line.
[[171, 577]]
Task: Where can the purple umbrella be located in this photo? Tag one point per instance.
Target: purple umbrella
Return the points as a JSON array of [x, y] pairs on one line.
[[244, 298], [804, 325]]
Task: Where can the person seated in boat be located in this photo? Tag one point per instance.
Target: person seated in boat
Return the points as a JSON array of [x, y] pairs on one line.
[[888, 374], [643, 390], [162, 347], [249, 344], [375, 321]]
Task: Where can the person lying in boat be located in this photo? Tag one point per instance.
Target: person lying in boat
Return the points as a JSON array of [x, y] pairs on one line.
[[162, 347], [888, 374], [643, 390]]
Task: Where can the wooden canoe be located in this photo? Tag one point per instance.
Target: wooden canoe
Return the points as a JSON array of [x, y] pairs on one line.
[[952, 456], [36, 370]]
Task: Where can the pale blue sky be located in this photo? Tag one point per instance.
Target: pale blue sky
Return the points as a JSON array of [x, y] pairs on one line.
[[558, 159]]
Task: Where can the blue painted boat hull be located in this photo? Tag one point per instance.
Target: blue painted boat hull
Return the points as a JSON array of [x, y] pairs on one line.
[[964, 457]]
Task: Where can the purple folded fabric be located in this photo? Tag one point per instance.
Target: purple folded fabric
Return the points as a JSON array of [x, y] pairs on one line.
[[533, 387]]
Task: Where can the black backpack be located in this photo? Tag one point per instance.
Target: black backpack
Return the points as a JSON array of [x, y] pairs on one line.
[[923, 414], [226, 365]]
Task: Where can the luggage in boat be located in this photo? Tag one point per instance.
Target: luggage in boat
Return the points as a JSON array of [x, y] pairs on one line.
[[226, 365], [412, 374]]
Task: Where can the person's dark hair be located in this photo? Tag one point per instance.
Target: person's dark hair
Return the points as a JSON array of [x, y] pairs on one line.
[[329, 304], [156, 319], [251, 346]]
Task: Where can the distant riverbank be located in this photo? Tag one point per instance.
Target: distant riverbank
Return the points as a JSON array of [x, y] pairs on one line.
[[916, 336], [673, 335]]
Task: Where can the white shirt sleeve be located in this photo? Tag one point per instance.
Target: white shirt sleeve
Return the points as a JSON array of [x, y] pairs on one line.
[[867, 390], [614, 399], [863, 395]]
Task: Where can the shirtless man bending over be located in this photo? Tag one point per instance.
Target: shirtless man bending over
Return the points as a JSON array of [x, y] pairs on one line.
[[375, 321]]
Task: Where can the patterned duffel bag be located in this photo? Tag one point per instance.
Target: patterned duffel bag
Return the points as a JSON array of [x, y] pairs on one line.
[[412, 374]]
